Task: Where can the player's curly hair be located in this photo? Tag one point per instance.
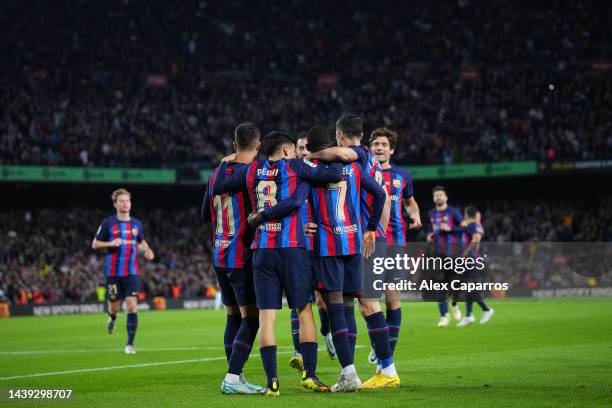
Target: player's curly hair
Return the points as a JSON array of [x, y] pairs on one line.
[[118, 192], [384, 132]]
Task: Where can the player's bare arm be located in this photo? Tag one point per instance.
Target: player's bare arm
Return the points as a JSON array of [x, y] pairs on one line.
[[412, 207], [384, 220], [334, 154], [144, 247], [115, 243]]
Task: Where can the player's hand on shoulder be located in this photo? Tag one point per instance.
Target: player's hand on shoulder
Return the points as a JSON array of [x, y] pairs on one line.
[[116, 243], [229, 157], [310, 229], [149, 254], [369, 241], [254, 220]]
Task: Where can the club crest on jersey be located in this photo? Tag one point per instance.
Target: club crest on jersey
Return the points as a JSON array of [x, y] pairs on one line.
[[134, 231], [308, 162], [396, 183]]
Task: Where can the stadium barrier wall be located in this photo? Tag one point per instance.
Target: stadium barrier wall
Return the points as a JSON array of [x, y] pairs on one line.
[[190, 304]]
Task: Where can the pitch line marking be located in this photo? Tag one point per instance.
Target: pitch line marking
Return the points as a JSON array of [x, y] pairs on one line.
[[160, 363], [28, 352]]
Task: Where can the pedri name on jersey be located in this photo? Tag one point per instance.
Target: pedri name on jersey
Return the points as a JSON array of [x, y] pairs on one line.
[[345, 229], [267, 173]]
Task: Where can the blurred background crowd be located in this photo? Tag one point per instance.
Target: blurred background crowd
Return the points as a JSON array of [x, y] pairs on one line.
[[47, 253], [162, 84], [134, 83]]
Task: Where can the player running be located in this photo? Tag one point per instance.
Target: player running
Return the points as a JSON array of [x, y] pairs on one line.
[[296, 360], [338, 247], [398, 182], [232, 262], [472, 235], [280, 259], [122, 236], [445, 237], [349, 131]]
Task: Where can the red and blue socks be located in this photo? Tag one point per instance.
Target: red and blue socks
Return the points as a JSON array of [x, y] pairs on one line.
[[131, 326], [295, 330], [339, 330], [349, 313], [324, 318], [379, 337], [268, 358], [232, 325], [309, 354], [394, 321], [242, 344]]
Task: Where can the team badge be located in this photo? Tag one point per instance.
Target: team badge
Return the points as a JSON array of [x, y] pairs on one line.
[[134, 231], [396, 183]]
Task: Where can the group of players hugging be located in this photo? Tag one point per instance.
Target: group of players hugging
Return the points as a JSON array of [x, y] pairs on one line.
[[306, 222]]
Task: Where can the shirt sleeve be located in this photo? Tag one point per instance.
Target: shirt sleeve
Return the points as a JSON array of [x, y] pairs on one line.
[[458, 216], [102, 234], [322, 172], [140, 237], [362, 157], [205, 210], [408, 191], [288, 205], [232, 184], [371, 186]]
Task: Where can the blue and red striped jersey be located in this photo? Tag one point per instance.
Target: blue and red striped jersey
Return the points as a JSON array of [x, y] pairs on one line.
[[446, 243], [338, 214], [123, 260], [469, 231], [268, 182], [307, 217], [371, 166], [398, 182], [228, 213]]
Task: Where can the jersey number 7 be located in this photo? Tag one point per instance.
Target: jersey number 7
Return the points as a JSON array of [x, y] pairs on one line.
[[340, 187]]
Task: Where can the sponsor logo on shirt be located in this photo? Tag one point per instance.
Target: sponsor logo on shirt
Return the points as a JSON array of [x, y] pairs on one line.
[[271, 226], [222, 243], [344, 229]]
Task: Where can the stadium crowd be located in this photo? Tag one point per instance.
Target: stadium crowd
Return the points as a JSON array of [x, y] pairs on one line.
[[43, 260], [155, 84]]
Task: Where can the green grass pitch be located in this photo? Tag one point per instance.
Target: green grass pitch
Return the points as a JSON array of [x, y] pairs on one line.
[[546, 353]]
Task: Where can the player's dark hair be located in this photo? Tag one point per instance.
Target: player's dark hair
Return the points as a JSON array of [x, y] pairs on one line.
[[438, 188], [471, 211], [274, 141], [301, 135], [384, 132], [319, 138], [246, 135], [351, 125]]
